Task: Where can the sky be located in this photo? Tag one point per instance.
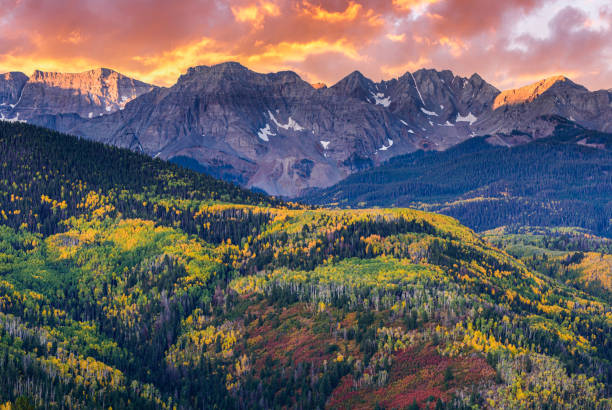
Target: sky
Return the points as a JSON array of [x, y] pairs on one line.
[[510, 43]]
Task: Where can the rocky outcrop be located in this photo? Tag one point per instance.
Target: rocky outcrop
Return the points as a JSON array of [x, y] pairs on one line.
[[11, 85], [45, 95], [88, 94]]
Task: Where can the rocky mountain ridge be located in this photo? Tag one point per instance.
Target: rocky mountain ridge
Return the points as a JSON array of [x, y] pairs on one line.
[[44, 95], [280, 134], [522, 109]]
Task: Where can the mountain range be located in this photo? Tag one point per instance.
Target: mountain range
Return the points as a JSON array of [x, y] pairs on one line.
[[277, 133]]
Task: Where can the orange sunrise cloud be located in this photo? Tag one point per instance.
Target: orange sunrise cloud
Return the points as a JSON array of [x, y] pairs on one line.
[[321, 40]]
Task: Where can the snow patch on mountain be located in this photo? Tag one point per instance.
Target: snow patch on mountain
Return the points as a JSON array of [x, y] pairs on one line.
[[406, 124], [430, 113], [291, 123], [386, 147], [471, 118], [265, 132], [15, 119], [380, 99], [417, 88]]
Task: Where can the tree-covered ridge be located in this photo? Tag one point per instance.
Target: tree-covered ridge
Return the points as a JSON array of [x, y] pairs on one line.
[[563, 180], [47, 177], [570, 255], [188, 301]]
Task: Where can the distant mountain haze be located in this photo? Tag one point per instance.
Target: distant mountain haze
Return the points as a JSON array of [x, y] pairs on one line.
[[280, 134]]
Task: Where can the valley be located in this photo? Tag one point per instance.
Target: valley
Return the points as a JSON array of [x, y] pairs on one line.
[[130, 282]]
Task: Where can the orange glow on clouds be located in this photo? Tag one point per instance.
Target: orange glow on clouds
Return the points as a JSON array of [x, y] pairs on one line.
[[322, 40], [319, 13], [413, 4], [456, 47], [396, 37], [255, 13]]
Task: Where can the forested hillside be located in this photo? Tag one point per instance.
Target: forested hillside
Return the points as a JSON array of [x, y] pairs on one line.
[[563, 180], [572, 256], [127, 282]]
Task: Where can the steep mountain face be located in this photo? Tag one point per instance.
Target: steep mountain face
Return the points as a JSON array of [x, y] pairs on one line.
[[443, 107], [11, 85], [44, 95], [270, 131], [280, 134], [88, 94], [522, 109], [438, 107]]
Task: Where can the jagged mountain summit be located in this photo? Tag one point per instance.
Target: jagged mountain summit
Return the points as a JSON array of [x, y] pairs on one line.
[[439, 107], [280, 134], [44, 95], [522, 109], [530, 92]]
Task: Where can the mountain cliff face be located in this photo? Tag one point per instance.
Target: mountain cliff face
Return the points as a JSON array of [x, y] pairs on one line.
[[280, 134], [270, 131], [44, 95], [522, 109], [439, 107], [277, 133], [11, 85]]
